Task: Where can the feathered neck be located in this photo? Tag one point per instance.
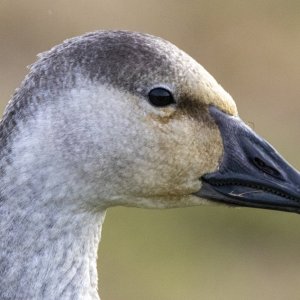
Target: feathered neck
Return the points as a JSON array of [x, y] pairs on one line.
[[48, 253]]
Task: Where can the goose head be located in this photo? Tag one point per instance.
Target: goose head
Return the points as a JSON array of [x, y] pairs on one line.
[[122, 118], [117, 118]]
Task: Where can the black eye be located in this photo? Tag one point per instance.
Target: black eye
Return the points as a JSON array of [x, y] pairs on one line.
[[160, 97]]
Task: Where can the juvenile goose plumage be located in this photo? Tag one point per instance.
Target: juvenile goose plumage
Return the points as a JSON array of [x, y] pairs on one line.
[[81, 134]]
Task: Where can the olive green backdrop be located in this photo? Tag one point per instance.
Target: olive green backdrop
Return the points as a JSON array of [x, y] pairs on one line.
[[253, 50]]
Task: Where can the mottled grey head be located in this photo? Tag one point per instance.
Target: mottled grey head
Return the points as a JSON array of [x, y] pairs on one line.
[[85, 120]]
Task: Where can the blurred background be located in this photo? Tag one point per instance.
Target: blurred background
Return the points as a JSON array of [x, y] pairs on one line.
[[252, 48]]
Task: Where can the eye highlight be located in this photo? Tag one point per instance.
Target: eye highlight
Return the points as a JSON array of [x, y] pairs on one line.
[[160, 97]]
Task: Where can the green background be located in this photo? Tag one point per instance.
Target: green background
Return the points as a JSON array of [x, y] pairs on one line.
[[252, 48]]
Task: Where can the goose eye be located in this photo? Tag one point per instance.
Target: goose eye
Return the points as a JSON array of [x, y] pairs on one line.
[[160, 97]]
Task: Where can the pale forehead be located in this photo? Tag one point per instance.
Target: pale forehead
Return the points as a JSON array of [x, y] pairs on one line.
[[196, 83], [138, 62]]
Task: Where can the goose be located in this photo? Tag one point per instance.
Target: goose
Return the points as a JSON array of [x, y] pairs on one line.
[[117, 118]]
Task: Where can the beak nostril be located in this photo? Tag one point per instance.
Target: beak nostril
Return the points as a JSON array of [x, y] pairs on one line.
[[261, 165]]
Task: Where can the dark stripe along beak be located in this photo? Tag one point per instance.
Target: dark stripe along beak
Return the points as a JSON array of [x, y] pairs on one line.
[[252, 173]]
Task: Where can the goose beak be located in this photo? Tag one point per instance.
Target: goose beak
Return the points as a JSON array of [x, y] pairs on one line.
[[252, 173]]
